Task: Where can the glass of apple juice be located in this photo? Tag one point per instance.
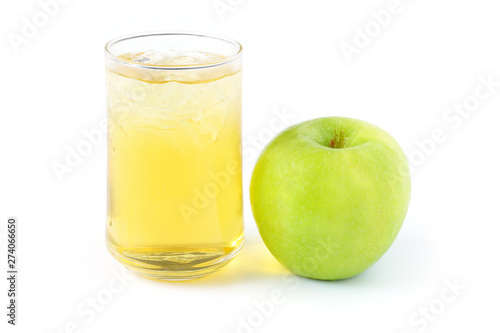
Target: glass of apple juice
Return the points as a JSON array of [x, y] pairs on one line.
[[174, 153]]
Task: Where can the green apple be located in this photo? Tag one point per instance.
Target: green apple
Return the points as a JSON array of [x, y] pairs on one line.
[[329, 196]]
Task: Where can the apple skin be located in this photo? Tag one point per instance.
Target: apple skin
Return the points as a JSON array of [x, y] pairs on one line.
[[330, 213]]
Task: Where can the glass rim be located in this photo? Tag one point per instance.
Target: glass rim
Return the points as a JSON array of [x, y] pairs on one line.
[[226, 60]]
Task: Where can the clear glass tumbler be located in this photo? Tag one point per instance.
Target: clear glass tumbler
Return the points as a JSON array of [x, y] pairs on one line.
[[174, 153]]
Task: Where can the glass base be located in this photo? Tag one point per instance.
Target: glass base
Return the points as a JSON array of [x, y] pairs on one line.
[[175, 264]]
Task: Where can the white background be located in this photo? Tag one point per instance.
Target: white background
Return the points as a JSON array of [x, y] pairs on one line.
[[427, 59]]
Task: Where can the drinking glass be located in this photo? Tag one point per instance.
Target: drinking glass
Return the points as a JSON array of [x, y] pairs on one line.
[[174, 153]]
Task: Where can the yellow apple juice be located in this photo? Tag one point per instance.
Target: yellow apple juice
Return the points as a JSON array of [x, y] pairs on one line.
[[174, 166]]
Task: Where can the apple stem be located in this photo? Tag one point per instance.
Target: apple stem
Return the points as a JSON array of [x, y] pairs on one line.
[[339, 140]]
